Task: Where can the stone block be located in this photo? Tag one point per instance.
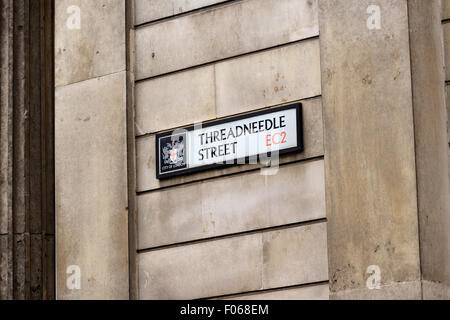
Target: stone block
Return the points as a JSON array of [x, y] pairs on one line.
[[397, 291], [295, 256], [150, 10], [233, 265], [235, 86], [445, 9], [232, 204], [202, 270], [5, 267], [97, 48], [268, 78], [175, 100], [435, 291], [91, 187], [220, 33]]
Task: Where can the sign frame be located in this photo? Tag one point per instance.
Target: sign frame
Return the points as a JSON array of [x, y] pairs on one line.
[[241, 161]]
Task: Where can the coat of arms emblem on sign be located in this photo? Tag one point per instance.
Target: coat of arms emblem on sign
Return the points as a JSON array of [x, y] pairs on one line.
[[173, 151]]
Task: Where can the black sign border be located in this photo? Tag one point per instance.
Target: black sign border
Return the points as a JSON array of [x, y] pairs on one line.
[[299, 148]]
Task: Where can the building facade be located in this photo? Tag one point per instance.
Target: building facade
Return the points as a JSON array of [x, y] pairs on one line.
[[361, 212]]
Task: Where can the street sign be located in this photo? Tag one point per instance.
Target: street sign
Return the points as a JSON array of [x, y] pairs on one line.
[[236, 140]]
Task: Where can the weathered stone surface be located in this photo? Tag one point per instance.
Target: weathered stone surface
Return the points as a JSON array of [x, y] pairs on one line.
[[445, 9], [235, 86], [435, 291], [6, 126], [314, 292], [446, 28], [396, 291], [233, 265], [231, 205], [269, 78], [97, 48], [431, 140], [6, 120], [6, 267], [149, 10], [369, 144], [91, 187], [21, 266], [26, 147], [20, 135], [294, 256], [202, 270], [220, 33], [175, 100], [313, 145]]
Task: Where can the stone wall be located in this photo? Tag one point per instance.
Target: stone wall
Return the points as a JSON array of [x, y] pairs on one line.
[[363, 212], [232, 232]]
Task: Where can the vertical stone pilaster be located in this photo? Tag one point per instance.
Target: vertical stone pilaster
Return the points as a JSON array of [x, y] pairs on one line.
[[430, 124], [91, 149], [27, 208], [385, 149], [369, 150], [6, 129]]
